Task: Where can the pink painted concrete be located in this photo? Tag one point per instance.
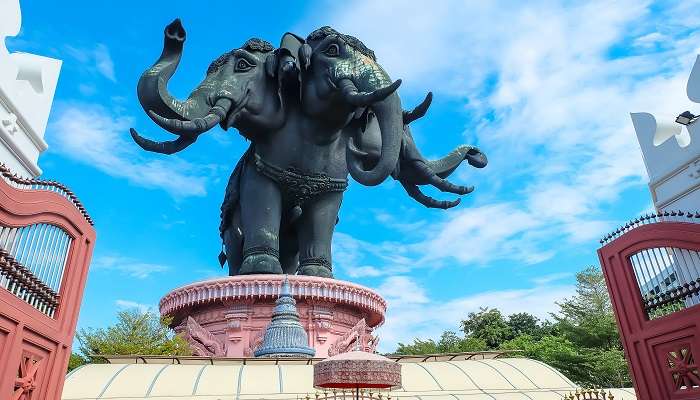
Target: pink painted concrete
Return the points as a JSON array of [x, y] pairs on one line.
[[27, 336], [230, 314], [650, 344]]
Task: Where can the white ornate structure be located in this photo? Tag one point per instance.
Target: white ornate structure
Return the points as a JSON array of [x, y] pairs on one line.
[[671, 154], [465, 376], [27, 86]]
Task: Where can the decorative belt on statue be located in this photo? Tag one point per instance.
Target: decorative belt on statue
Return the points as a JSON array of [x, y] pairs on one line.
[[299, 186]]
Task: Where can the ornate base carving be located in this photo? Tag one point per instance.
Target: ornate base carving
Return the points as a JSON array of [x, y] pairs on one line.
[[226, 317]]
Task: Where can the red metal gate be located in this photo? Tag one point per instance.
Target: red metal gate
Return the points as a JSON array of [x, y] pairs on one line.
[[46, 241], [652, 270]]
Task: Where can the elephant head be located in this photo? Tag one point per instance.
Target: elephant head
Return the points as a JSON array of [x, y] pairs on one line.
[[240, 90], [341, 79]]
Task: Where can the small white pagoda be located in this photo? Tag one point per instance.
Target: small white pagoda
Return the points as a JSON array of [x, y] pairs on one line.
[[27, 86]]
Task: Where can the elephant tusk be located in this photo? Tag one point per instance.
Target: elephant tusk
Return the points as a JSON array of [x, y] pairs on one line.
[[356, 151], [198, 125], [363, 99], [168, 147], [419, 111]]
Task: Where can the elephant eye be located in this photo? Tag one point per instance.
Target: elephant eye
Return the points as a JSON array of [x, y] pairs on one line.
[[333, 50], [243, 65]]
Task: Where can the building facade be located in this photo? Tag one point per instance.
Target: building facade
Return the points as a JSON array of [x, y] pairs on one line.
[[671, 153], [27, 86], [46, 236]]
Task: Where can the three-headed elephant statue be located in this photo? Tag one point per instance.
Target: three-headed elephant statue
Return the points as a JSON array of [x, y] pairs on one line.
[[315, 110]]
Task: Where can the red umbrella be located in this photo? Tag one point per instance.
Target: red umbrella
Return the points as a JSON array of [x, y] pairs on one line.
[[357, 370]]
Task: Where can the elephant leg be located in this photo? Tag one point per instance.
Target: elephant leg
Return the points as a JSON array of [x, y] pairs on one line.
[[261, 210], [289, 249], [233, 243], [315, 227]]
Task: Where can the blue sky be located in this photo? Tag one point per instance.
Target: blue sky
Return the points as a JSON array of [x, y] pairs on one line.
[[544, 88]]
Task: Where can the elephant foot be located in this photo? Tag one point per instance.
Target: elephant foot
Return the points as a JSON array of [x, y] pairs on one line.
[[320, 267], [260, 264]]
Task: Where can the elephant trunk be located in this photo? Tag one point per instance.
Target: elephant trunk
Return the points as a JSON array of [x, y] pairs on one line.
[[152, 88], [386, 105], [444, 166]]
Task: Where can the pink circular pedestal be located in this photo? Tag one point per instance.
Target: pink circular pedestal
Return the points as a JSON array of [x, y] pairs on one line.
[[227, 317]]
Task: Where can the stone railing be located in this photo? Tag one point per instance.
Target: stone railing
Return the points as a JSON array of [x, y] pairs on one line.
[[268, 286], [39, 184]]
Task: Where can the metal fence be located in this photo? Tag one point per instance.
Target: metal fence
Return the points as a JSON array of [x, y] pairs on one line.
[[652, 218], [668, 279], [32, 262], [19, 182]]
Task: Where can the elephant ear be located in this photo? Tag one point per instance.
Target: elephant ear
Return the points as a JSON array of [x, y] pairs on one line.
[[289, 80], [292, 43]]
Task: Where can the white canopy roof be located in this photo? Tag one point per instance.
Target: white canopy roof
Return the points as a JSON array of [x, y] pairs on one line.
[[494, 379]]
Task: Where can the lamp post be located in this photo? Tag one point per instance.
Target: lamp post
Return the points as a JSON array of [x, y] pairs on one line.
[[686, 118]]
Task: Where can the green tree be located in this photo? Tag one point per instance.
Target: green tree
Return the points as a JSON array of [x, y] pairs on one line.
[[488, 325], [450, 342], [556, 351], [582, 341], [75, 361], [587, 318], [135, 332], [524, 324], [418, 347]]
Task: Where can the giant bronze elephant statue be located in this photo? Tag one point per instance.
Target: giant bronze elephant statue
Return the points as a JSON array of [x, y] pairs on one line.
[[302, 106]]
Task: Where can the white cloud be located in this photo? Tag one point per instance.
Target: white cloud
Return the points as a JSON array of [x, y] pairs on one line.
[[550, 98], [87, 90], [128, 305], [128, 266], [95, 60], [92, 135], [412, 314], [650, 39], [104, 63], [546, 279], [548, 87]]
